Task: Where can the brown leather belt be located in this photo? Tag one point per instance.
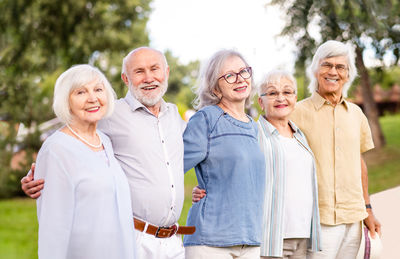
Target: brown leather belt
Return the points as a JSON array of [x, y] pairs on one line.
[[163, 232]]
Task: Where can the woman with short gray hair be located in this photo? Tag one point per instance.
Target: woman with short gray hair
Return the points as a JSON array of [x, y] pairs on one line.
[[85, 209], [221, 144], [291, 218]]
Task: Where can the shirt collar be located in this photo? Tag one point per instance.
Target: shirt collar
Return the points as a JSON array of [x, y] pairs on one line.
[[319, 101], [271, 130], [134, 104]]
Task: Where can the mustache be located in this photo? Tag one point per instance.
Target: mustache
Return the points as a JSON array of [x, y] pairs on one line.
[[155, 83]]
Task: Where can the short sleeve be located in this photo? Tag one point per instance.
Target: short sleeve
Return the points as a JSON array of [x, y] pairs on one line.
[[195, 139], [366, 142], [55, 207]]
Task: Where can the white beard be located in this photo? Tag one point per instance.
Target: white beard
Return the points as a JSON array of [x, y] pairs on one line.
[[144, 99]]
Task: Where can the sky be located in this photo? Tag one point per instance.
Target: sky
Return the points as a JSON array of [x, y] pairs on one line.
[[195, 29]]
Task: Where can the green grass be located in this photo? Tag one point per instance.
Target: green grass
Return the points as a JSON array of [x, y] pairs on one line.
[[384, 164], [18, 229], [18, 222], [190, 182]]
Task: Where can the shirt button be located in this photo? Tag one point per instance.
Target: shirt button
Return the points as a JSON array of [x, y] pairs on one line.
[[162, 141], [167, 163], [172, 186], [337, 148], [172, 208]]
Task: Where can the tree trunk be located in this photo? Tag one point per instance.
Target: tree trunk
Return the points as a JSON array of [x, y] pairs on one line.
[[369, 105]]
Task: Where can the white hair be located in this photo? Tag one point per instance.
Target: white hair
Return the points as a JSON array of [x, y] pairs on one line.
[[330, 49], [275, 76], [125, 60], [73, 78]]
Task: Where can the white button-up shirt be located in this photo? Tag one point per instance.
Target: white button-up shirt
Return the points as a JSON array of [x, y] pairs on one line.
[[150, 151]]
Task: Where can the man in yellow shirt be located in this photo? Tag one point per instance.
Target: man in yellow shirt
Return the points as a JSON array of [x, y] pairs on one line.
[[338, 132]]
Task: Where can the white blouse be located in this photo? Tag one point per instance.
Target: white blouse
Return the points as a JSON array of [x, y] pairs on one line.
[[84, 210]]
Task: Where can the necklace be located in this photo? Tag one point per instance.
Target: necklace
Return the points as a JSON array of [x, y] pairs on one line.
[[84, 140]]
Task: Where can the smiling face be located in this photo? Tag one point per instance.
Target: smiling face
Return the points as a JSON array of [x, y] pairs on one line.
[[331, 76], [237, 91], [88, 103], [279, 99], [146, 76]]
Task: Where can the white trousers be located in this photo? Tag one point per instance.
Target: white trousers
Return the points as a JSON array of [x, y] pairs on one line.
[[339, 242], [150, 247], [210, 252]]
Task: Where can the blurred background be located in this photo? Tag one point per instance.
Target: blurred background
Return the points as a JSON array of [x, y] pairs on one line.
[[42, 38]]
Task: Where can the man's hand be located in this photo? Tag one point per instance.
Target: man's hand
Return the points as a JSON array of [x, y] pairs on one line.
[[198, 194], [30, 186], [372, 224]]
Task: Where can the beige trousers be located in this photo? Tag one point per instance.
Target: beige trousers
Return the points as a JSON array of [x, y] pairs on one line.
[[339, 242], [208, 252], [293, 248]]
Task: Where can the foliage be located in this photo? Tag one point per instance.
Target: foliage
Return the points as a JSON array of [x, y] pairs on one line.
[[39, 40], [386, 77], [181, 79], [365, 23]]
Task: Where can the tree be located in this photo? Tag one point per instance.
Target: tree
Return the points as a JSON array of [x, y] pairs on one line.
[[365, 23], [181, 79], [39, 40]]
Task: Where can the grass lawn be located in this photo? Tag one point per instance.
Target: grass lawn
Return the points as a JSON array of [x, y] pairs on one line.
[[18, 223], [18, 229], [384, 164]]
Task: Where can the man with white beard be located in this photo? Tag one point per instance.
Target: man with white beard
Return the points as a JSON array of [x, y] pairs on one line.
[[146, 134]]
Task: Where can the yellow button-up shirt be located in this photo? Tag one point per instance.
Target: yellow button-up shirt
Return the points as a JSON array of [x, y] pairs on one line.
[[337, 135]]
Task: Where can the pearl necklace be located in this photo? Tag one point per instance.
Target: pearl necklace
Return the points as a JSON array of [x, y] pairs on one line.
[[84, 140]]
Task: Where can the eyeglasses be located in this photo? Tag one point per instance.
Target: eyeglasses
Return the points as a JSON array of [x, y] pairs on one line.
[[340, 68], [232, 77], [274, 94]]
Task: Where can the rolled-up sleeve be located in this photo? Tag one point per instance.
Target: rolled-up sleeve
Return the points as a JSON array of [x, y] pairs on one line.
[[55, 207], [366, 142], [195, 139]]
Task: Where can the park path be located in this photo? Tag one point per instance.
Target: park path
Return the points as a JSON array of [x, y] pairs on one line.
[[386, 207]]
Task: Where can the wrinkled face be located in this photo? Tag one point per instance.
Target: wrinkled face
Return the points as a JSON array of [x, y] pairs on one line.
[[332, 74], [237, 91], [278, 99], [147, 76], [88, 103]]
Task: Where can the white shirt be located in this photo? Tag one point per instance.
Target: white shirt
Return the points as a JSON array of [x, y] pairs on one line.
[[298, 190], [150, 151], [85, 209]]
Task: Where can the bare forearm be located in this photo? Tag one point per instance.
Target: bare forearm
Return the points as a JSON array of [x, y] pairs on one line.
[[364, 180]]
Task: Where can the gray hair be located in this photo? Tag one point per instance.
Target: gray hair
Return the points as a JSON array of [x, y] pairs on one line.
[[275, 76], [207, 81], [332, 48], [73, 78], [124, 61]]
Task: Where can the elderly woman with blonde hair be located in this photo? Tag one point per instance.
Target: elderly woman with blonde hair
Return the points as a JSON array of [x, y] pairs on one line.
[[221, 144], [85, 209]]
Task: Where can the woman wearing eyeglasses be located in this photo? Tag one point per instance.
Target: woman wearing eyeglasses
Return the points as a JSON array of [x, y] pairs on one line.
[[221, 144], [291, 218]]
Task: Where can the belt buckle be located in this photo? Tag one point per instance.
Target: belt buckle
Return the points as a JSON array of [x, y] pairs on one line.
[[174, 229]]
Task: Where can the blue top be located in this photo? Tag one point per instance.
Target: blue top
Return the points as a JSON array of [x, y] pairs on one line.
[[229, 165]]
